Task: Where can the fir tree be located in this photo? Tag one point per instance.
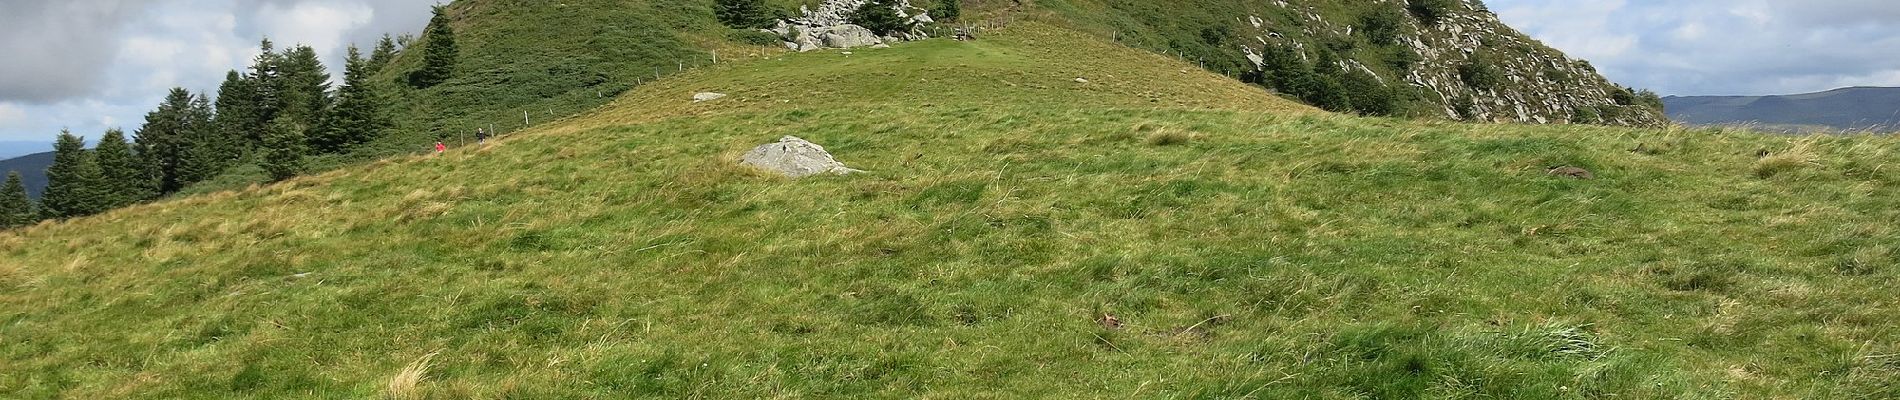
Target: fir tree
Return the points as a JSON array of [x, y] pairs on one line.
[[122, 178], [72, 188], [743, 14], [356, 118], [384, 53], [303, 86], [164, 142], [284, 149], [1432, 11], [264, 82], [205, 153], [880, 16], [236, 113], [947, 10], [438, 54], [1368, 95], [16, 209], [1382, 25]]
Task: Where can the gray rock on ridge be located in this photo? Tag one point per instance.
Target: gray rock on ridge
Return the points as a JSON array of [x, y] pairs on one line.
[[830, 26], [848, 36], [795, 158]]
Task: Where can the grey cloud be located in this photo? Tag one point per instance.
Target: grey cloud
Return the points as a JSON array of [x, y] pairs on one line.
[[57, 50], [394, 17]]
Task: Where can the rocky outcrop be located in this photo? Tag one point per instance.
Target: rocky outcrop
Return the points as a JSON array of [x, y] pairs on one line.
[[794, 157], [1539, 84], [829, 26], [847, 36]]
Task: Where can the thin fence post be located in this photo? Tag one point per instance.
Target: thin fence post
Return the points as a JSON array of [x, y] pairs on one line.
[[524, 119]]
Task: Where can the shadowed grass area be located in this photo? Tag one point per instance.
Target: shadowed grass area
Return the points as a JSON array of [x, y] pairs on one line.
[[1270, 252]]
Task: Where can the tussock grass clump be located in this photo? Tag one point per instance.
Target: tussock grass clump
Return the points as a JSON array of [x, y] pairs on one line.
[[1158, 135], [12, 277], [1567, 340], [1867, 261], [1794, 159], [404, 385], [1169, 137]]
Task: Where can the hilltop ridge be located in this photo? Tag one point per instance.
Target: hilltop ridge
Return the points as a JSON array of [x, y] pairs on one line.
[[1844, 109]]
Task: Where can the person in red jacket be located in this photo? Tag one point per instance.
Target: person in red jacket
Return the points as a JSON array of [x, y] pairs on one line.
[[439, 147]]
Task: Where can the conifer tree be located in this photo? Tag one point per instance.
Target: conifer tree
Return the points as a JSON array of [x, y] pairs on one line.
[[880, 16], [264, 82], [384, 53], [742, 14], [284, 149], [1382, 25], [947, 11], [72, 188], [439, 54], [303, 86], [165, 141], [16, 209], [121, 174], [235, 114], [205, 153], [1432, 11], [356, 118]]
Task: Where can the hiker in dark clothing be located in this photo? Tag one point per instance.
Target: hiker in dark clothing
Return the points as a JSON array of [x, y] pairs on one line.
[[481, 136]]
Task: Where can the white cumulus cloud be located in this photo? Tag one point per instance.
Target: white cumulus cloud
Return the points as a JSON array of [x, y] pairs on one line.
[[1703, 47]]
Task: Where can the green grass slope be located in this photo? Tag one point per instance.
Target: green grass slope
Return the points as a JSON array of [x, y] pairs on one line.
[[1248, 246]]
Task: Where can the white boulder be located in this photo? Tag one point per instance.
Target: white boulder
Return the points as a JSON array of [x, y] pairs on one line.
[[794, 157]]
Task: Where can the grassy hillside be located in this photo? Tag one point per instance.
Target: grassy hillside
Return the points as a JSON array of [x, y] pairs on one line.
[[1249, 247]]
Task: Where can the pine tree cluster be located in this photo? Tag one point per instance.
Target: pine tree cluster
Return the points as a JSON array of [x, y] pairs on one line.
[[743, 14], [276, 114], [1325, 83]]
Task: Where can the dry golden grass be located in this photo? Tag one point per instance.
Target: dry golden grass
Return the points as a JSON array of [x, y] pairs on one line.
[[1796, 158], [405, 385]]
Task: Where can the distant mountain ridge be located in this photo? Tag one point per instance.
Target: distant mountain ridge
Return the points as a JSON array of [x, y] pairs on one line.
[[32, 168], [12, 148], [1846, 109]]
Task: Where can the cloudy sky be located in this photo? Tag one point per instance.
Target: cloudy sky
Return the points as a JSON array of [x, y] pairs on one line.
[[1722, 47], [90, 65]]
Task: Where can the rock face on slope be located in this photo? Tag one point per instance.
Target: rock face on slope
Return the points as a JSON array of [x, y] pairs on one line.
[[1538, 84], [1452, 58], [830, 26]]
